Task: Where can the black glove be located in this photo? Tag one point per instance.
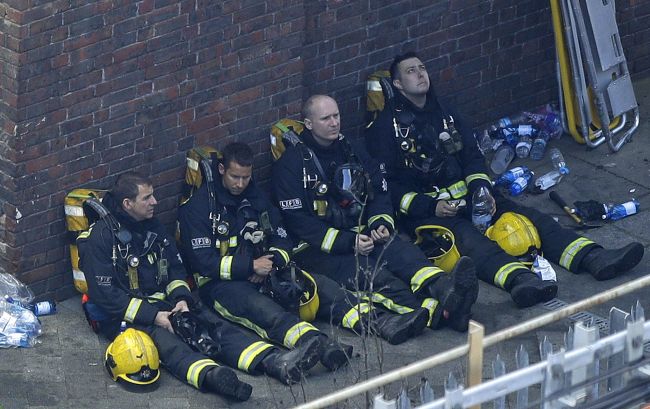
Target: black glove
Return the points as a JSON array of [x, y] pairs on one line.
[[590, 210]]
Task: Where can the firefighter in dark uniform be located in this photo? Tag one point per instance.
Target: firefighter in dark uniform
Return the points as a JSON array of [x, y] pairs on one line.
[[327, 188], [431, 160], [135, 275], [233, 238]]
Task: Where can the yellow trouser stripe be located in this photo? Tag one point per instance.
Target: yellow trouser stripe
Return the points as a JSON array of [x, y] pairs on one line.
[[224, 268], [176, 284], [296, 332], [354, 315], [251, 352], [223, 311], [430, 304], [422, 275], [194, 371], [405, 203], [386, 302], [477, 176], [132, 309], [502, 274], [328, 240], [284, 254], [572, 249], [386, 217]]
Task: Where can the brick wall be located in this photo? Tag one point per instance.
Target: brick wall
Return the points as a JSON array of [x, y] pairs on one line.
[[90, 88]]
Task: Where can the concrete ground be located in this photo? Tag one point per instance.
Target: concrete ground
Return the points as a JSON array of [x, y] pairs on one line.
[[65, 369]]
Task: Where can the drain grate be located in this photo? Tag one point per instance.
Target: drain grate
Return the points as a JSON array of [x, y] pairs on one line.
[[584, 316]]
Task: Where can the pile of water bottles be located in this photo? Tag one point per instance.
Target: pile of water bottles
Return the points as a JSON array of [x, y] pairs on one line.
[[19, 324], [523, 135]]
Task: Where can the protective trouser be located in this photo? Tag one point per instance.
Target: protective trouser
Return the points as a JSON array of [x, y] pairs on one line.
[[493, 265], [241, 302], [239, 349], [378, 274]]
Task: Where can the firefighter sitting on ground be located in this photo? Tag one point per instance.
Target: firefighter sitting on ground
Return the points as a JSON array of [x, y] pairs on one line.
[[233, 237], [135, 275], [325, 187], [431, 160]]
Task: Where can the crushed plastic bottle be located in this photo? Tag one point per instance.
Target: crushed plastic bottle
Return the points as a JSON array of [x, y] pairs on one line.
[[523, 147], [484, 142], [511, 175], [520, 184], [482, 205], [548, 180], [502, 158], [539, 146], [558, 161], [619, 211], [19, 327]]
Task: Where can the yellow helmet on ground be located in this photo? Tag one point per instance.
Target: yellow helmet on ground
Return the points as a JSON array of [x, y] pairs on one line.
[[309, 302], [439, 244], [133, 358], [515, 234]]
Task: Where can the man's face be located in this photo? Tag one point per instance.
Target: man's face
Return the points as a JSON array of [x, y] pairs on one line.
[[412, 78], [142, 207], [324, 121], [235, 177]]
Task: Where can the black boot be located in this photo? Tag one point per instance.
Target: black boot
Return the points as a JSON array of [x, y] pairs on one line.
[[457, 292], [527, 289], [334, 354], [396, 328], [224, 381], [605, 264], [289, 366]]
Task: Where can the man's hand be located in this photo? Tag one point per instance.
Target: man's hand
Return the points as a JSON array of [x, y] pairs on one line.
[[444, 209], [364, 245], [262, 267], [162, 320], [380, 235], [181, 306]]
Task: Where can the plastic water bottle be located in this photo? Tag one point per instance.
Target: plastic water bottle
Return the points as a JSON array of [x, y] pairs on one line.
[[484, 142], [482, 205], [523, 146], [520, 184], [539, 145], [39, 309], [549, 179], [122, 326], [511, 175], [513, 120], [17, 339], [619, 211], [552, 125], [502, 158], [558, 161]]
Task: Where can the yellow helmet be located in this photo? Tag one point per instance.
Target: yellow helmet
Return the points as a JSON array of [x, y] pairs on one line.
[[133, 358], [439, 244], [309, 302], [515, 234]]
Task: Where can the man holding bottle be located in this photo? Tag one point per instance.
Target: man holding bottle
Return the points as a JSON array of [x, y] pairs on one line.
[[432, 164]]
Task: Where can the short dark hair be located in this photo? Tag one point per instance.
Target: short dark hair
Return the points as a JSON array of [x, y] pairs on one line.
[[398, 59], [237, 152], [127, 185]]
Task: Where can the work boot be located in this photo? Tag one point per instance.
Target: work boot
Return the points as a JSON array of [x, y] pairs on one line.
[[334, 354], [289, 366], [396, 328], [605, 264], [457, 292], [527, 289], [224, 381]]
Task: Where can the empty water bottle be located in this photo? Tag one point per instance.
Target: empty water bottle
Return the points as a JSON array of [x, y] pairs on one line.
[[482, 205], [513, 120], [523, 147], [502, 158], [539, 145], [558, 161], [552, 125], [549, 179], [511, 175], [122, 326], [619, 211], [40, 308], [484, 142], [520, 184]]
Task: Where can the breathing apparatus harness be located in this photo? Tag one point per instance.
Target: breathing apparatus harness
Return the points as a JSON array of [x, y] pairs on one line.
[[410, 140]]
